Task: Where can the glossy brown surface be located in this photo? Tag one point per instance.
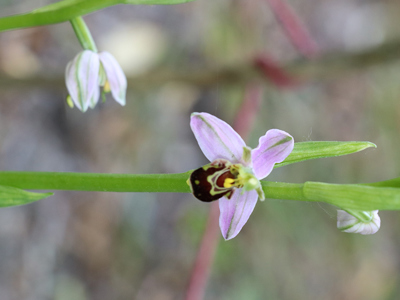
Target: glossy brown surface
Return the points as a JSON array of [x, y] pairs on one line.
[[202, 188]]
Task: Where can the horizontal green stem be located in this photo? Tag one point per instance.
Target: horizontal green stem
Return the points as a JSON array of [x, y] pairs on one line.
[[54, 13], [155, 183], [283, 190], [354, 197], [168, 183], [63, 11]]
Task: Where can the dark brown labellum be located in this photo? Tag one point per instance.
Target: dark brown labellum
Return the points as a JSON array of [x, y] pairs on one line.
[[207, 183]]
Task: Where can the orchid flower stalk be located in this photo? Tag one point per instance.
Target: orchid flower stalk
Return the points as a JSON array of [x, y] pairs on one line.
[[83, 34], [235, 171]]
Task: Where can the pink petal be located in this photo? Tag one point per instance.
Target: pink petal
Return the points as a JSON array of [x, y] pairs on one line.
[[115, 77], [235, 212], [216, 138], [81, 78], [273, 148]]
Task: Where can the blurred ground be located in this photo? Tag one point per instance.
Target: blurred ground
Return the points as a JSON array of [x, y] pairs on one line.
[[141, 246]]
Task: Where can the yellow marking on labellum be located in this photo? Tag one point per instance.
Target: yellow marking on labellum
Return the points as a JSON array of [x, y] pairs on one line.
[[220, 179], [229, 182], [207, 182], [212, 179]]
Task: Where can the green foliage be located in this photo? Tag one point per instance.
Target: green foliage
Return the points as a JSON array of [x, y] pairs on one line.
[[66, 10], [312, 150], [11, 196]]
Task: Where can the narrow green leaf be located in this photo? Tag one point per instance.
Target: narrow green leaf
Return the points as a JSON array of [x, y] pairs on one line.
[[395, 182], [11, 196], [353, 196], [311, 150], [66, 10]]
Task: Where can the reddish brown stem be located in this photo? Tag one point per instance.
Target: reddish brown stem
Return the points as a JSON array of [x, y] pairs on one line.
[[274, 72], [209, 243], [251, 102], [205, 256], [294, 28]]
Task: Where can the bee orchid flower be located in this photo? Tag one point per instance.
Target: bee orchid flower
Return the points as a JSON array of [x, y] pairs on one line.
[[89, 71], [234, 174]]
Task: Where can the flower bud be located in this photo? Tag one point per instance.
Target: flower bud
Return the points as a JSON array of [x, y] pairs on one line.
[[81, 78], [349, 223], [89, 71]]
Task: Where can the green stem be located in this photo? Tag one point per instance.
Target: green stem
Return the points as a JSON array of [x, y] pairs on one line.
[[354, 198], [282, 190], [66, 10], [83, 34], [156, 183], [167, 183], [55, 13]]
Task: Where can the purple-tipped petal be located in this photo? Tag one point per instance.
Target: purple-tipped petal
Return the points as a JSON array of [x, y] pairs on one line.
[[273, 148], [81, 78], [115, 77], [235, 212], [216, 138]]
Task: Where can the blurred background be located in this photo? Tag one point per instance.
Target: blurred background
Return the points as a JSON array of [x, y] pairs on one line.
[[84, 245]]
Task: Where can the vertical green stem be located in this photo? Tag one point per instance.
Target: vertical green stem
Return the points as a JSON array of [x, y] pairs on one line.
[[83, 34]]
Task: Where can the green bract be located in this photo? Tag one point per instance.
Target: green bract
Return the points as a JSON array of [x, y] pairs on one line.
[[11, 196]]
